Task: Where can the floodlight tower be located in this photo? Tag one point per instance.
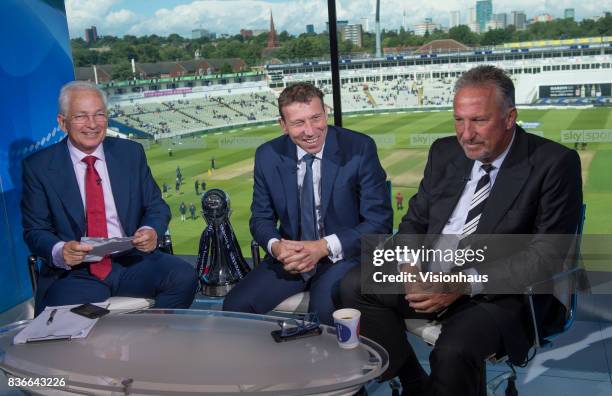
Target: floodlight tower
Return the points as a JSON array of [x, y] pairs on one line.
[[378, 52]]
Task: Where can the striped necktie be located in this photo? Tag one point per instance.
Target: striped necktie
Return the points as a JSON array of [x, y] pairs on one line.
[[479, 200]]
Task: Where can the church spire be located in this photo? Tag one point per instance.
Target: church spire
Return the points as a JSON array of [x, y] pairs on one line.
[[272, 39]]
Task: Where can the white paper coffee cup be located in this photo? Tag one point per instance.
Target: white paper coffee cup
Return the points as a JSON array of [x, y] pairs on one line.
[[346, 321]]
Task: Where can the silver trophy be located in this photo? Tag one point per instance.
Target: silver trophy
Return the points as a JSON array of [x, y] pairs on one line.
[[220, 262]]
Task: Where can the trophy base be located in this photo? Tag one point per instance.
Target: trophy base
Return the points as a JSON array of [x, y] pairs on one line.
[[217, 290]]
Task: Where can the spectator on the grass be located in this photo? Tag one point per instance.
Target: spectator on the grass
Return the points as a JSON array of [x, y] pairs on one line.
[[165, 188], [196, 185], [203, 186], [399, 200], [177, 185], [192, 211], [182, 210]]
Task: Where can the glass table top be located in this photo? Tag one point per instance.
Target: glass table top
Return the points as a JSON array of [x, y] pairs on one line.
[[192, 351]]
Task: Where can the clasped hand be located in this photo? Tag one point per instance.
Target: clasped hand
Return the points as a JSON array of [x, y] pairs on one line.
[[299, 256], [429, 297], [74, 252]]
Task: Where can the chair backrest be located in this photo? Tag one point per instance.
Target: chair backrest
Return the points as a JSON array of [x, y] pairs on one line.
[[566, 286], [571, 314]]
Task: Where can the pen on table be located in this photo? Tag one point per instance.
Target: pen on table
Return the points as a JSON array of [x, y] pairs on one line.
[[51, 315]]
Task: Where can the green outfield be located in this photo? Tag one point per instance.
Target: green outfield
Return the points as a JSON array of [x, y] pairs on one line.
[[233, 152]]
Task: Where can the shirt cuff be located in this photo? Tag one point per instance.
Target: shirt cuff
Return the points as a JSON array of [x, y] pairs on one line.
[[476, 287], [58, 256], [269, 246], [413, 263], [335, 248]]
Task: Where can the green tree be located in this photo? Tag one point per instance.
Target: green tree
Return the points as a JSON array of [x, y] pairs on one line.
[[122, 71], [496, 37], [226, 68], [463, 34]]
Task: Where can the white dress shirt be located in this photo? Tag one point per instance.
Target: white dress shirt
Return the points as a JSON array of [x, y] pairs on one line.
[[333, 243], [113, 225], [455, 223]]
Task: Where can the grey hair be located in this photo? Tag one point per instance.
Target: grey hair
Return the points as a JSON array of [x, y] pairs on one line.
[[67, 89], [489, 75]]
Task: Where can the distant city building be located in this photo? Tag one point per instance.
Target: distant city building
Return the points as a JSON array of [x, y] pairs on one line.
[[310, 28], [426, 26], [484, 12], [272, 38], [365, 24], [543, 18], [250, 33], [472, 22], [352, 33], [519, 20], [202, 33], [257, 32], [569, 13], [455, 19], [498, 21], [339, 25], [91, 35]]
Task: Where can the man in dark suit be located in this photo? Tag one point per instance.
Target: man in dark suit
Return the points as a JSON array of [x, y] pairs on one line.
[[317, 190], [97, 186], [493, 178]]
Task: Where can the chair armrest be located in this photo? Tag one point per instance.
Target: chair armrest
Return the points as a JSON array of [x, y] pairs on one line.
[[33, 269], [534, 287], [255, 253], [165, 244]]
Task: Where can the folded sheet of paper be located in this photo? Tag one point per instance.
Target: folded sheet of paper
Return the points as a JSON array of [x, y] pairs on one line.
[[56, 323], [106, 246]]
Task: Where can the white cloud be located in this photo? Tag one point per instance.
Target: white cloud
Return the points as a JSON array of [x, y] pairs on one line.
[[82, 14], [229, 16], [122, 18]]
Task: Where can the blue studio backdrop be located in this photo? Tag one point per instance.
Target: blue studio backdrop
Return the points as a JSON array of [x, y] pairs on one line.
[[36, 61]]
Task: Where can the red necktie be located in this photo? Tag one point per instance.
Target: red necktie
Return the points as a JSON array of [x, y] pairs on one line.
[[96, 215]]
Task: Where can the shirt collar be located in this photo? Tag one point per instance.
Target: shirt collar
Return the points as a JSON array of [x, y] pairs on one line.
[[301, 153], [76, 155]]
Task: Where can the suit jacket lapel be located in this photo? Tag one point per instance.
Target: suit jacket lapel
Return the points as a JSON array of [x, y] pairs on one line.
[[329, 168], [120, 184], [458, 175], [287, 171], [512, 175], [63, 179]]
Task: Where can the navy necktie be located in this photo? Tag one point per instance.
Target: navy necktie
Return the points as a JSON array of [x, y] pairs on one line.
[[308, 219], [308, 224]]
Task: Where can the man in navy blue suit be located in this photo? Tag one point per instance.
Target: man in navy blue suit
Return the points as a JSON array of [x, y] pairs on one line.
[[93, 185], [317, 190]]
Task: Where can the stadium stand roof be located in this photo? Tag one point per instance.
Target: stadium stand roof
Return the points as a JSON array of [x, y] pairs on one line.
[[446, 45], [144, 70]]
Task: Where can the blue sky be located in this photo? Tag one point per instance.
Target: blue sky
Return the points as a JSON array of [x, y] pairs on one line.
[[163, 17]]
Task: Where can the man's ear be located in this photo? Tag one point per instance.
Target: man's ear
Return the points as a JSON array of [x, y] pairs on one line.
[[283, 125], [61, 121], [511, 118]]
